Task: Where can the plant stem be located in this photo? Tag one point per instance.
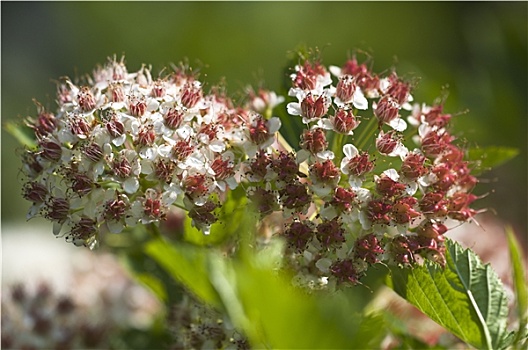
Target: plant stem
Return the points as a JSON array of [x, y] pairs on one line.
[[369, 129], [337, 145]]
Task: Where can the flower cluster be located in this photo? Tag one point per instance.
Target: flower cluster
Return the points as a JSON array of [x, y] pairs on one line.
[[379, 187], [194, 325], [376, 178], [41, 319], [122, 148]]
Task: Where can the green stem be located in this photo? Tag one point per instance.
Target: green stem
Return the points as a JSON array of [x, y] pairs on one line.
[[337, 145], [154, 229], [367, 131]]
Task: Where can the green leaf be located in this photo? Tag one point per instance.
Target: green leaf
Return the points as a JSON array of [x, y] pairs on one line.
[[490, 157], [466, 296], [148, 272], [154, 284], [263, 303], [23, 134], [519, 282], [187, 264], [276, 315], [229, 219]]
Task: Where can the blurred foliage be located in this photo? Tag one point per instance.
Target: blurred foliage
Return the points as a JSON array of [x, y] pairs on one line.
[[479, 50]]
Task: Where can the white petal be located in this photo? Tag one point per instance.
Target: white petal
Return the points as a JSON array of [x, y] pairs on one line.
[[232, 183], [355, 182], [98, 169], [400, 151], [221, 186], [131, 185], [114, 226], [184, 132], [344, 165], [328, 212], [324, 264], [359, 100], [392, 174], [411, 188], [365, 222], [335, 70], [217, 146], [398, 124], [326, 155], [325, 123], [321, 191], [302, 155], [57, 228], [363, 195], [384, 84], [148, 153], [153, 105], [146, 166], [168, 197], [350, 150], [164, 150], [294, 108], [274, 125], [33, 211]]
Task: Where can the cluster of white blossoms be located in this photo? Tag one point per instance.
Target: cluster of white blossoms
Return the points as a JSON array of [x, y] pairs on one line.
[[122, 148], [381, 195]]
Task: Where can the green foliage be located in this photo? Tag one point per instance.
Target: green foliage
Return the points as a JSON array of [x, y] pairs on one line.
[[263, 302], [230, 217], [186, 264], [466, 296], [155, 337], [23, 134], [487, 158], [265, 305], [521, 292]]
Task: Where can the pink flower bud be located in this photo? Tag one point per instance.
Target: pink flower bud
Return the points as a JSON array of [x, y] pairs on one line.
[[116, 92], [325, 172], [345, 271], [386, 109], [222, 168], [57, 209], [182, 149], [173, 118], [413, 166], [35, 192], [433, 205], [158, 88], [314, 140], [360, 165], [346, 88], [146, 136], [115, 128], [344, 121], [387, 142], [388, 187], [368, 248], [86, 99], [93, 152], [137, 106], [258, 131], [164, 170], [314, 108], [191, 94], [298, 235], [51, 150], [330, 233]]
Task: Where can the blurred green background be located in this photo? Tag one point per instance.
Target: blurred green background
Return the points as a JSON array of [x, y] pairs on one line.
[[478, 49]]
